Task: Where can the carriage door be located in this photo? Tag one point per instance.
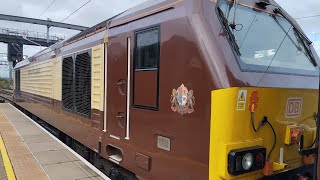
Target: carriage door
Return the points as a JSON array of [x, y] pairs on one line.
[[118, 86]]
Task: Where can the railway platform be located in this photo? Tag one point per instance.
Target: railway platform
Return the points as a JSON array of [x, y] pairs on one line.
[[29, 152]]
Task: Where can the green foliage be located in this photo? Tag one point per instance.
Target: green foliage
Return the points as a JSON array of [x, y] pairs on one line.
[[4, 83]]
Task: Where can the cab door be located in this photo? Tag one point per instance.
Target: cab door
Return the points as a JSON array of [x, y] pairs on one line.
[[118, 86]]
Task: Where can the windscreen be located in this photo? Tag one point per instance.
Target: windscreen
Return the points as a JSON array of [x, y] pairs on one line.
[[266, 42]]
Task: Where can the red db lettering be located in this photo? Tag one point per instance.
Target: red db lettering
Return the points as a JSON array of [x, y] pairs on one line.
[[294, 106]]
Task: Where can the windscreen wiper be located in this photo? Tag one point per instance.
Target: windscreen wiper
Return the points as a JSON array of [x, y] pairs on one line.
[[287, 31], [225, 24], [304, 39]]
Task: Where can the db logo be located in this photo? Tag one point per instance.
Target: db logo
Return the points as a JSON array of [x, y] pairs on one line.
[[294, 106]]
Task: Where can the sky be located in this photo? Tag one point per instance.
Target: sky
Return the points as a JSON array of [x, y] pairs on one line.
[[99, 10], [92, 13], [307, 14]]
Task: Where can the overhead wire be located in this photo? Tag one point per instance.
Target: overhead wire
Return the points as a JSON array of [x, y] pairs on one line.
[[47, 8], [65, 17], [43, 12], [68, 15], [75, 11], [72, 13], [306, 17], [24, 48]]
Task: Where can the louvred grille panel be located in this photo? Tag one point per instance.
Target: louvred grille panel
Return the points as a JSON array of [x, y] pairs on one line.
[[67, 83], [82, 91]]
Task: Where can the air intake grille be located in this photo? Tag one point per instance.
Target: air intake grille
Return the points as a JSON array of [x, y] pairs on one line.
[[67, 83], [83, 84], [164, 143]]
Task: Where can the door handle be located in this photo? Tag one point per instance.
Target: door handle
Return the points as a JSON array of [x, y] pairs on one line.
[[121, 84], [120, 115]]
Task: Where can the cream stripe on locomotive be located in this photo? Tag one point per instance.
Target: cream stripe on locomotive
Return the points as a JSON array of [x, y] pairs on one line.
[[38, 79], [97, 77], [45, 78], [57, 79]]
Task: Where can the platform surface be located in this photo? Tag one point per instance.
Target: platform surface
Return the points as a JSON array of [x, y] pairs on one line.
[[34, 154]]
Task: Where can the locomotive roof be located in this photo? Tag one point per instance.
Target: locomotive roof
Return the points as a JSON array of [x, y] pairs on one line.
[[145, 9], [106, 23]]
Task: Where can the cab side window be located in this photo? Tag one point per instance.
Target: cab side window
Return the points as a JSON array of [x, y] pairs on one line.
[[147, 49], [146, 68]]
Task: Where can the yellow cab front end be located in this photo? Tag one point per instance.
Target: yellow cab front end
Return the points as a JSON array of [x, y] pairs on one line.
[[268, 128], [257, 132]]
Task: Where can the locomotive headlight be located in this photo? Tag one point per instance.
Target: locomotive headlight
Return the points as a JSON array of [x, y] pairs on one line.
[[247, 161]]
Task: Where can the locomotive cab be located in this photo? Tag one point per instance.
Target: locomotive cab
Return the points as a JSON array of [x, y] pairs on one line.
[[270, 124]]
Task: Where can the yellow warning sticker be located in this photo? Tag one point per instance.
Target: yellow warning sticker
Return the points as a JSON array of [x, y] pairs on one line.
[[241, 101]]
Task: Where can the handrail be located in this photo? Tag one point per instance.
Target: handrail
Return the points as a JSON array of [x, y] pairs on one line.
[[30, 34]]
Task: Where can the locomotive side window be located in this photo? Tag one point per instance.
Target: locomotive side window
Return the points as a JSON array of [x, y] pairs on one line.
[[147, 49], [76, 83], [146, 68], [67, 83]]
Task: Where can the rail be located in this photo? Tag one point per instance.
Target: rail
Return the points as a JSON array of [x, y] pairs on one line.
[[6, 93]]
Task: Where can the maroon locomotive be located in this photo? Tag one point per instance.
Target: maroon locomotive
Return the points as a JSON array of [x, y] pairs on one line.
[[163, 90]]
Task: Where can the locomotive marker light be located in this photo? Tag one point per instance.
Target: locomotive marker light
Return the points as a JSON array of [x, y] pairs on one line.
[[245, 160]]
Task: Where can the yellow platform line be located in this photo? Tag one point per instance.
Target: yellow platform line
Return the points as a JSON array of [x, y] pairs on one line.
[[6, 161]]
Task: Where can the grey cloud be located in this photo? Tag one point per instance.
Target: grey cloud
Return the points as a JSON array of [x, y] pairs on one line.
[[304, 8]]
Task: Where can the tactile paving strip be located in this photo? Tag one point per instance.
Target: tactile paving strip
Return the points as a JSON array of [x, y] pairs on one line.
[[24, 164], [3, 175]]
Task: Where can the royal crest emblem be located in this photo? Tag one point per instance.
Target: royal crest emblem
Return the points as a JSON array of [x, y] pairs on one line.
[[182, 100]]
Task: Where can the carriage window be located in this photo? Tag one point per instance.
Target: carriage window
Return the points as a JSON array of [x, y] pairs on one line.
[[147, 49], [76, 83], [146, 69]]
